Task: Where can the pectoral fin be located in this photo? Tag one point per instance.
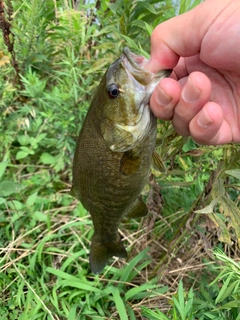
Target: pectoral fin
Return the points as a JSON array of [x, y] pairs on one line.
[[138, 209], [130, 162], [157, 162]]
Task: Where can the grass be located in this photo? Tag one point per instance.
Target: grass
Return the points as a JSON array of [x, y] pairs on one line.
[[46, 82]]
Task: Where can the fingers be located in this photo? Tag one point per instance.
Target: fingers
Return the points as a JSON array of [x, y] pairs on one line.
[[209, 126], [181, 104], [164, 98], [184, 35], [174, 38], [190, 110], [194, 95]]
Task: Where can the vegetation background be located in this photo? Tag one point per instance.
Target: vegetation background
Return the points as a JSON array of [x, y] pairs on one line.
[[183, 257]]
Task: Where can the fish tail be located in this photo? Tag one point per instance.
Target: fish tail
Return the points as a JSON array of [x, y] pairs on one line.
[[101, 252]]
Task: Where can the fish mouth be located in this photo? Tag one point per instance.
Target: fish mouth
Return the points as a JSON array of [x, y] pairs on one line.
[[135, 64]]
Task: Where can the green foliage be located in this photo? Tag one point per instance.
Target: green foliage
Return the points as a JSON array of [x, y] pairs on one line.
[[221, 207], [61, 54], [93, 299], [182, 307], [186, 5], [218, 300], [135, 21]]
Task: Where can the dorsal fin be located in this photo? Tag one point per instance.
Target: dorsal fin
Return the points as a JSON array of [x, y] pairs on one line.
[[157, 162]]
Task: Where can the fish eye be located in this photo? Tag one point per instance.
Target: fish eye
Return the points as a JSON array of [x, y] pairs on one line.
[[113, 90]]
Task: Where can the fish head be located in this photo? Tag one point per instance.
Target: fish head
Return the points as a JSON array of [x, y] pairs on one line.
[[126, 113]]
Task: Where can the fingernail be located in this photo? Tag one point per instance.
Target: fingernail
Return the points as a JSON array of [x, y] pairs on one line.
[[190, 92], [162, 98], [204, 119]]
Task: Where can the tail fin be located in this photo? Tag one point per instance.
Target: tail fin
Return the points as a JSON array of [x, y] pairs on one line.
[[101, 252]]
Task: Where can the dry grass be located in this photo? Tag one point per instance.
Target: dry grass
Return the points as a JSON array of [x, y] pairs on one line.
[[177, 250]]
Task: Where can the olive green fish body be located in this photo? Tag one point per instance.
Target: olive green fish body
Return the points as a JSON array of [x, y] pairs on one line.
[[113, 158]]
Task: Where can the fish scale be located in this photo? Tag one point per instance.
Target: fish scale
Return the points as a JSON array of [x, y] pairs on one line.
[[114, 154]]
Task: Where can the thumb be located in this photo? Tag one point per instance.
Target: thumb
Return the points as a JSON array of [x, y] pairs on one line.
[[182, 35]]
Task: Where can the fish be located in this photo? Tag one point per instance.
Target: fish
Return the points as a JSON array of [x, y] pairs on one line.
[[114, 153]]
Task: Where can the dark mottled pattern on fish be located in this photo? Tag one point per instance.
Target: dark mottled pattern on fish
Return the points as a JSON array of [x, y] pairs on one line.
[[114, 154]]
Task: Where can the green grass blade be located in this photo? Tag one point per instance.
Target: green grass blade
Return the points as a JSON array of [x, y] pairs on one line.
[[129, 272], [119, 304]]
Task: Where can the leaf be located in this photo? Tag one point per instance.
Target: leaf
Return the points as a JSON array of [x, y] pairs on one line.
[[183, 163], [130, 42], [39, 216], [181, 308], [16, 216], [21, 155], [2, 200], [223, 235], [234, 173], [231, 210], [47, 158], [9, 187], [61, 274], [218, 189], [119, 303], [3, 59], [73, 257], [154, 315], [73, 313], [99, 65], [113, 7], [208, 209], [129, 272], [227, 260], [23, 140], [72, 281], [132, 293], [40, 137], [227, 289], [189, 303], [149, 28], [31, 199], [149, 7], [3, 166], [80, 285]]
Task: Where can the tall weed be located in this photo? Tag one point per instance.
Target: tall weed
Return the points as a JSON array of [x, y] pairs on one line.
[[45, 234]]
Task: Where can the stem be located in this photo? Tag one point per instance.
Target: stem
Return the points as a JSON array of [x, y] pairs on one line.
[[8, 36], [174, 244]]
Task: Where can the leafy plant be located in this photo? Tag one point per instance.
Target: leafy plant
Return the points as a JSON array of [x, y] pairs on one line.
[[50, 67], [182, 307], [220, 299]]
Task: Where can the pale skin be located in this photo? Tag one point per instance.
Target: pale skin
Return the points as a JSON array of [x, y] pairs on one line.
[[202, 96]]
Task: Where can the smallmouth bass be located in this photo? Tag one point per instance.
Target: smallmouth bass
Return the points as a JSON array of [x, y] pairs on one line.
[[114, 153]]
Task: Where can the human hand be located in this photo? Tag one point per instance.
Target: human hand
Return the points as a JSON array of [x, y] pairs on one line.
[[202, 97]]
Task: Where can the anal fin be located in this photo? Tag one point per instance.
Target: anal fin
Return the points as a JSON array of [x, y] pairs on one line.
[[138, 209]]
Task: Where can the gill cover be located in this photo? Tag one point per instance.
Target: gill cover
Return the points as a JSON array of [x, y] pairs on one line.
[[131, 88]]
